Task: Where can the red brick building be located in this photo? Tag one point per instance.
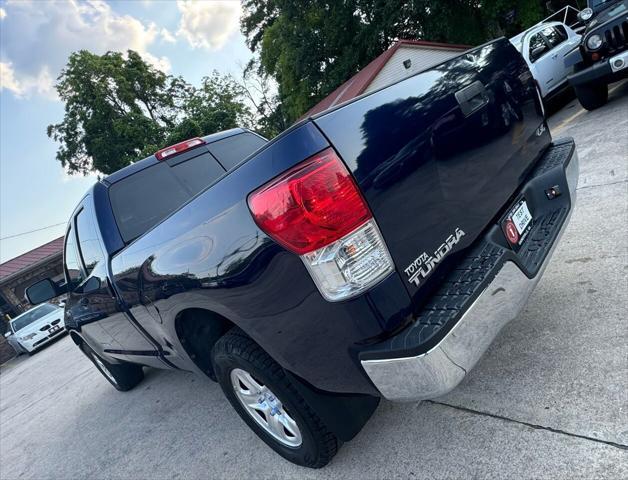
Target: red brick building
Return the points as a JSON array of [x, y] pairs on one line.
[[24, 270]]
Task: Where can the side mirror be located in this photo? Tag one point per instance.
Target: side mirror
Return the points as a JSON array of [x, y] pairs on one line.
[[8, 334], [43, 291], [537, 52]]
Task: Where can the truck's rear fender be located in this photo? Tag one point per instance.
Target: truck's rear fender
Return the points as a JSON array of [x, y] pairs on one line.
[[211, 255], [439, 154]]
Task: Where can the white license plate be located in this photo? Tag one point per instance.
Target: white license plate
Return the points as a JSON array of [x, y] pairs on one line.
[[522, 217]]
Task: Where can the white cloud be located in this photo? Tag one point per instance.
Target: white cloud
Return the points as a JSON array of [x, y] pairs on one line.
[[3, 13], [8, 80], [39, 36], [42, 83], [166, 36], [160, 63], [208, 24]]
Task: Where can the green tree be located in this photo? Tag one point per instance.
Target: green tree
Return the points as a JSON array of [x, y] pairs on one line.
[[218, 104], [310, 47], [268, 112], [119, 109], [115, 108]]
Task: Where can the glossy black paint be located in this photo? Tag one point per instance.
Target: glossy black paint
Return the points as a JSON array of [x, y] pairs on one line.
[[94, 311], [425, 161], [211, 255], [429, 162]]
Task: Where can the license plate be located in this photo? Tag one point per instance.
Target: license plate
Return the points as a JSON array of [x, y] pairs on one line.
[[522, 217], [518, 223]]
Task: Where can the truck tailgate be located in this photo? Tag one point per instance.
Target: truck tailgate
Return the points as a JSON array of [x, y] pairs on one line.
[[439, 154]]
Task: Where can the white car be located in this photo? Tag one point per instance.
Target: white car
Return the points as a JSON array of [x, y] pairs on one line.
[[36, 327], [545, 48]]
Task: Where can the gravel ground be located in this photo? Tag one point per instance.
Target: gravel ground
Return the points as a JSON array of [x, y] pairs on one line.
[[548, 400]]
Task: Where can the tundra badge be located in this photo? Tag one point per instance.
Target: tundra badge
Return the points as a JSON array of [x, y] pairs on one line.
[[423, 265]]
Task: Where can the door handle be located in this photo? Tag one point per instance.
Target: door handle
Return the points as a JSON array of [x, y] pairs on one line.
[[472, 98], [84, 301]]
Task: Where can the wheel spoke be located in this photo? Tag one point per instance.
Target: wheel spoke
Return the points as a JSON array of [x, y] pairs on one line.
[[275, 425], [249, 399], [252, 386], [289, 424]]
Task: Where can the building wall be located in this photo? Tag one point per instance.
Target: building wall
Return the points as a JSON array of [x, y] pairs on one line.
[[13, 290], [6, 351], [421, 58]]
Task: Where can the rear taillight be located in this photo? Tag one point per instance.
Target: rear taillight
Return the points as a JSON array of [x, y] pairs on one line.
[[179, 148], [316, 211]]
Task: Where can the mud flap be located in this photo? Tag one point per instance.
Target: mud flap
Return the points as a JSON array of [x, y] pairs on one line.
[[344, 414]]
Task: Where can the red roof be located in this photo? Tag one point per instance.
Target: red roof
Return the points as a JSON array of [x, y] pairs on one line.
[[357, 84], [28, 259]]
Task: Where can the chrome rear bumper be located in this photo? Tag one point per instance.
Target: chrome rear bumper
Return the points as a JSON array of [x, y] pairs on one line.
[[443, 367]]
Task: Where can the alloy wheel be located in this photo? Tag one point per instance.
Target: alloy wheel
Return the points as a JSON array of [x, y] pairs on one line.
[[265, 408]]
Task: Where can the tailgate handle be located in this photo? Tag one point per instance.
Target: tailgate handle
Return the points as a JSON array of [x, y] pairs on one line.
[[472, 98]]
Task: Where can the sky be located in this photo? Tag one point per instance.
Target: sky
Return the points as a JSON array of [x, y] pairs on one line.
[[187, 38]]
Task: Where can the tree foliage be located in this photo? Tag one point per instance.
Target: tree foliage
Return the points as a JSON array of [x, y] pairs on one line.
[[218, 104], [310, 47], [269, 117], [119, 108]]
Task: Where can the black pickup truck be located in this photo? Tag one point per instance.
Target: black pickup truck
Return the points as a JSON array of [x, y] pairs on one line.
[[603, 50], [374, 250]]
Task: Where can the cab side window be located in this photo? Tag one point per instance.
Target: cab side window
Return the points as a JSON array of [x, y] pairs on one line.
[[555, 35], [89, 245], [538, 47], [72, 266]]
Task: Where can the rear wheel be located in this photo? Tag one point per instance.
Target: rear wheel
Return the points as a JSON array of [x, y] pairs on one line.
[[123, 376], [261, 393], [592, 96]]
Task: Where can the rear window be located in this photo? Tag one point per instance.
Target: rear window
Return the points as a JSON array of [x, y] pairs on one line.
[[232, 150], [145, 198]]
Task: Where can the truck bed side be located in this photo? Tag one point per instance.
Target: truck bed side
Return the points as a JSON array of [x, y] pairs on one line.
[[442, 152]]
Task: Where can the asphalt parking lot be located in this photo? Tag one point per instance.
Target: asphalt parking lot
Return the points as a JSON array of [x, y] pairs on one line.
[[549, 399]]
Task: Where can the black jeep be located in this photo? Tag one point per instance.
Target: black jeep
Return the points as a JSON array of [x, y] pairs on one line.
[[604, 50]]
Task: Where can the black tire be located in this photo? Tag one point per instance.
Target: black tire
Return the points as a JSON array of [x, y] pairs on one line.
[[123, 376], [235, 350], [592, 96]]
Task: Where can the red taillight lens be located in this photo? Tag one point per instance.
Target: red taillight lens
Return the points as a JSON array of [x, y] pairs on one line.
[[179, 148], [311, 205]]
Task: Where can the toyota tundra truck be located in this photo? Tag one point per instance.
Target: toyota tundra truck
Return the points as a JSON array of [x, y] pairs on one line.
[[372, 251]]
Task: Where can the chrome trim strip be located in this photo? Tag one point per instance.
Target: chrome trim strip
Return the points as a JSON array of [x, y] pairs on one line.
[[442, 368]]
